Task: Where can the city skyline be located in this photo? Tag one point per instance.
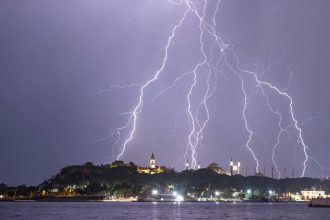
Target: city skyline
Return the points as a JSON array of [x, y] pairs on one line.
[[233, 167]]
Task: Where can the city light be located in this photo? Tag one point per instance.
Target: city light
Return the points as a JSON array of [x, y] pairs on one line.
[[154, 192], [217, 193], [175, 193], [248, 191], [179, 198]]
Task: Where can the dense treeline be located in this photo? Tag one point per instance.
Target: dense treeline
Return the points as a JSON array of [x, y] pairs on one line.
[[119, 179]]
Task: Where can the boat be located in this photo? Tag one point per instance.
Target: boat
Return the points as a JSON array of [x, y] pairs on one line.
[[319, 202]]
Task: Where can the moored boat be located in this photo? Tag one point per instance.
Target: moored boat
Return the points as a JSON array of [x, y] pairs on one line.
[[319, 202]]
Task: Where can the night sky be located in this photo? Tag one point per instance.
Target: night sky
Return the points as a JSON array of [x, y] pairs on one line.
[[59, 60]]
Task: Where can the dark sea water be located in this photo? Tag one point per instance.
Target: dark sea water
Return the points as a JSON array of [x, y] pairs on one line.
[[136, 210]]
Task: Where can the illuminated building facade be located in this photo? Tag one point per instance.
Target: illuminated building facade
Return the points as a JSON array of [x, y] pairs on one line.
[[306, 195], [187, 165], [311, 194], [152, 168], [152, 164], [215, 167]]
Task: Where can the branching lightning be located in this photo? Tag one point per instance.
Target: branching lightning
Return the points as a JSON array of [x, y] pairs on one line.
[[206, 73], [138, 108]]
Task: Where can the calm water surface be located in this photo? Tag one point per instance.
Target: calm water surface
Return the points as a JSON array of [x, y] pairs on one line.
[[111, 210]]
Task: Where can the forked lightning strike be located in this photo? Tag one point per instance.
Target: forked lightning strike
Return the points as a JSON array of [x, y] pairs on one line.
[[138, 108], [205, 72]]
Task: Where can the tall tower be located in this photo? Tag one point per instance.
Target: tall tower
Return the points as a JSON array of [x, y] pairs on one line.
[[187, 165], [264, 170], [231, 167], [152, 161], [239, 167]]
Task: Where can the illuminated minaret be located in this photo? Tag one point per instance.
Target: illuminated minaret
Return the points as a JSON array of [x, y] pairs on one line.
[[239, 167], [198, 166], [187, 165], [152, 161], [231, 167]]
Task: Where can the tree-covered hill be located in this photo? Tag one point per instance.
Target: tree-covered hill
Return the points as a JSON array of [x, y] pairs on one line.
[[123, 180]]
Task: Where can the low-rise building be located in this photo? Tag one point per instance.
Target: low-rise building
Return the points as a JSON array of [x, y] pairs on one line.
[[306, 195], [311, 194]]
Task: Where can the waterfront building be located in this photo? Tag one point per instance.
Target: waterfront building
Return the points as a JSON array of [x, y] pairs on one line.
[[311, 194], [306, 195]]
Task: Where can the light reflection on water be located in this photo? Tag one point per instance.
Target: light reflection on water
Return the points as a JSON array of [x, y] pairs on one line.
[[159, 210]]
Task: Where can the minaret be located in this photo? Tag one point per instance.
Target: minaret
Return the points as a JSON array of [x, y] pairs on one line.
[[198, 166], [239, 167], [187, 165], [152, 161], [231, 167], [264, 170]]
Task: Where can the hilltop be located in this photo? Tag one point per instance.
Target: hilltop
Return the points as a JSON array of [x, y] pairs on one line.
[[120, 180]]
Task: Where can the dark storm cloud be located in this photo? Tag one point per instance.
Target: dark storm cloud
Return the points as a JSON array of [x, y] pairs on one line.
[[54, 54]]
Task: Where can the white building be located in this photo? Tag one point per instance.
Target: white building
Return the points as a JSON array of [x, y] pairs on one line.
[[307, 195], [310, 194]]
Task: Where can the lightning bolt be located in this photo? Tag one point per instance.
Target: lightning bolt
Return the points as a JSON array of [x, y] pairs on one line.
[[138, 108], [205, 72]]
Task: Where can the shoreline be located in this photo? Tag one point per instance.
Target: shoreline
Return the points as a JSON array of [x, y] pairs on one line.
[[146, 201]]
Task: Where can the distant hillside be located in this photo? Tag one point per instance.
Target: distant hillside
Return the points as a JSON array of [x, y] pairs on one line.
[[118, 173], [124, 180]]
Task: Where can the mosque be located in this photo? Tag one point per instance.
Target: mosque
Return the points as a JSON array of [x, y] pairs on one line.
[[234, 168], [152, 168], [216, 168]]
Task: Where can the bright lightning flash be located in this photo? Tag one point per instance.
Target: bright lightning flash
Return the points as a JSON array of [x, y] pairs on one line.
[[208, 69]]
